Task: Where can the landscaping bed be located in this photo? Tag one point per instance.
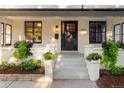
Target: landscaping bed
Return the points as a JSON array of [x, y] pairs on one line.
[[107, 80], [17, 70]]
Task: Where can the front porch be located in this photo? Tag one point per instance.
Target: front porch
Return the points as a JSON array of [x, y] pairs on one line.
[[72, 34]]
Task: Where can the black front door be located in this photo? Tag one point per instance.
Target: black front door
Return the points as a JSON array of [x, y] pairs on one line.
[[69, 35]]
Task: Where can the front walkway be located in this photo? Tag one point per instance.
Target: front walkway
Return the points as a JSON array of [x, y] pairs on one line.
[[70, 66], [24, 84], [80, 83]]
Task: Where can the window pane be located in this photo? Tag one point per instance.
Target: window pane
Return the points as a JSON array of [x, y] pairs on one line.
[[29, 24], [117, 29], [8, 29], [37, 37], [29, 30], [37, 31], [1, 39], [123, 28], [8, 39], [98, 37], [37, 24], [117, 38], [2, 29], [8, 34], [123, 38], [29, 36], [103, 37]]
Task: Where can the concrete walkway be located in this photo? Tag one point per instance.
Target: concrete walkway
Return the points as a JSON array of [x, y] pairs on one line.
[[84, 83], [70, 66], [24, 84]]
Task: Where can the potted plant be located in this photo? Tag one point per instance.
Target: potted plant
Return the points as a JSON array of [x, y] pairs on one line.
[[93, 65], [49, 65]]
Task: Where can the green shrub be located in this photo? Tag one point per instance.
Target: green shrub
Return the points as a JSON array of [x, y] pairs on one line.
[[110, 56], [20, 52], [49, 56], [117, 70], [4, 66], [94, 56], [30, 64], [22, 49], [27, 44]]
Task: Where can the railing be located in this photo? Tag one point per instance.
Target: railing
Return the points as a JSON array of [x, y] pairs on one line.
[[6, 52], [90, 49]]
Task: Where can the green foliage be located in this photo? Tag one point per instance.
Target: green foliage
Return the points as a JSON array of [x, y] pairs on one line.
[[27, 44], [16, 45], [4, 65], [116, 70], [94, 56], [30, 64], [49, 56], [21, 50], [120, 45], [110, 56]]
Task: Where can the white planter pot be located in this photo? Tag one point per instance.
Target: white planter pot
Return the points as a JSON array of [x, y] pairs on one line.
[[93, 70], [121, 58], [49, 70]]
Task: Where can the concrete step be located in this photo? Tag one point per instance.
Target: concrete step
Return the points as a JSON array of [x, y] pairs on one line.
[[71, 66], [71, 76]]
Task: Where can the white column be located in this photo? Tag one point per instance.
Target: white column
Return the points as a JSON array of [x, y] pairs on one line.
[[48, 70]]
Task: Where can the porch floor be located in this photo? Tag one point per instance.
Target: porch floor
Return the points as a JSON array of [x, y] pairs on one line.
[[70, 66]]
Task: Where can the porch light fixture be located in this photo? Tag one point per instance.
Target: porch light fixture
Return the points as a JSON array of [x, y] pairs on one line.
[[56, 32], [56, 28]]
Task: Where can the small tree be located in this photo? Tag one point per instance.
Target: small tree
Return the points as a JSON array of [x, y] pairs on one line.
[[110, 57]]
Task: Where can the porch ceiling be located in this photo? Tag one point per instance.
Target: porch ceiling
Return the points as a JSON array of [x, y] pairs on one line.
[[62, 12]]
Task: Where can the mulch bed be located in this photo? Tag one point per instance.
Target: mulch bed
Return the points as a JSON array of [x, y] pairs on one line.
[[107, 80], [17, 70]]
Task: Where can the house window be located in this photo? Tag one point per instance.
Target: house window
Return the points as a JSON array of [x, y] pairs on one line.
[[97, 32], [6, 34], [117, 33], [33, 31], [2, 34], [122, 33]]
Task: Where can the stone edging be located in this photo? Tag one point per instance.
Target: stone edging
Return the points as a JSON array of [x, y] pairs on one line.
[[31, 77]]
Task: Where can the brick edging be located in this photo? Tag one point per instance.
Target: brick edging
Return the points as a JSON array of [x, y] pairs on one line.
[[31, 77]]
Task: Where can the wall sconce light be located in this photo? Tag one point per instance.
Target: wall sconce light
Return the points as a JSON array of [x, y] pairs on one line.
[[83, 31], [56, 28], [56, 32]]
